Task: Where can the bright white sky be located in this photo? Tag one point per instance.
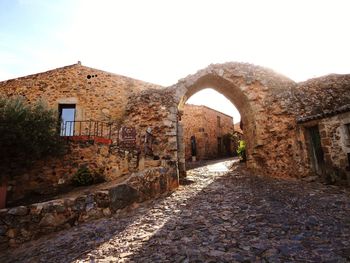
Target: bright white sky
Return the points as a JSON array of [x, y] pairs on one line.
[[161, 41]]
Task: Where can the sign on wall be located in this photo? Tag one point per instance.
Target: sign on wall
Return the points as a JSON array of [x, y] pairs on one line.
[[127, 136]]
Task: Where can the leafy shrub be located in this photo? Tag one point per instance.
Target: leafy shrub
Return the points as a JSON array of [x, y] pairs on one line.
[[83, 177], [241, 151], [27, 133]]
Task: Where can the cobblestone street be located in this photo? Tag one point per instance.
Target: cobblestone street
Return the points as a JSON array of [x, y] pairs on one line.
[[221, 215]]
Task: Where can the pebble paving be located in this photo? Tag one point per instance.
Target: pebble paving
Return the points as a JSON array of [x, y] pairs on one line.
[[223, 214]]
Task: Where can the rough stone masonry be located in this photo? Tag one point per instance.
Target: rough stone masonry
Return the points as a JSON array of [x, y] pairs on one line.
[[270, 104]]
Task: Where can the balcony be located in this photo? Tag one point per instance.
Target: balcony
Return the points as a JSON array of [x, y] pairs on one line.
[[97, 131]]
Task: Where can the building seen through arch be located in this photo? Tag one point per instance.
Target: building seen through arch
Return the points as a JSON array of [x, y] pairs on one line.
[[209, 131]]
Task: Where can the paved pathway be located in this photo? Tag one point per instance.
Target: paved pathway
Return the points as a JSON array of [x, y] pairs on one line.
[[223, 216]]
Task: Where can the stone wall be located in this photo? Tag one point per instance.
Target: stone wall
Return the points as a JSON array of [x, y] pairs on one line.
[[201, 122], [335, 139], [51, 175], [156, 110], [24, 223], [335, 142]]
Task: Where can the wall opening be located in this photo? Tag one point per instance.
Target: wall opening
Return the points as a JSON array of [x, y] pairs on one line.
[[208, 122], [67, 114], [317, 156]]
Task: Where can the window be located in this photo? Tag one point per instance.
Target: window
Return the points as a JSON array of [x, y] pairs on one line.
[[218, 121], [67, 117], [201, 130]]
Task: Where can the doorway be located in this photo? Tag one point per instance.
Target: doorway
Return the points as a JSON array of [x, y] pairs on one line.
[[67, 117], [219, 147], [317, 155]]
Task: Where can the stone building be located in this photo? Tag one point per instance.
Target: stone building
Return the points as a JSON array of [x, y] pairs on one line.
[[275, 111], [207, 132], [324, 125], [97, 109]]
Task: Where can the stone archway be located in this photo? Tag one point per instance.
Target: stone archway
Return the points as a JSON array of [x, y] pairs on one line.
[[264, 99]]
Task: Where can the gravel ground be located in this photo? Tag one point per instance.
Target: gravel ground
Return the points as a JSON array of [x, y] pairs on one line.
[[221, 215]]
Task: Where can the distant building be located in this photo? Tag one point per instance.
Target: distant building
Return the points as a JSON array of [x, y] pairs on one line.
[[207, 133]]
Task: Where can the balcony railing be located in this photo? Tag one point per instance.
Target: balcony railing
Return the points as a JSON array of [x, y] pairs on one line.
[[90, 130]]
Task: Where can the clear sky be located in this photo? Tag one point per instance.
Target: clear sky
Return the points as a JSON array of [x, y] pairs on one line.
[[215, 100], [161, 41]]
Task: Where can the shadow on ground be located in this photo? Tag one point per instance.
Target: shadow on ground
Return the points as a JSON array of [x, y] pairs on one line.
[[233, 217], [246, 218]]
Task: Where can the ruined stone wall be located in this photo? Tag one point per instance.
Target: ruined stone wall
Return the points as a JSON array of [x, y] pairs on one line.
[[201, 122], [98, 95], [157, 110]]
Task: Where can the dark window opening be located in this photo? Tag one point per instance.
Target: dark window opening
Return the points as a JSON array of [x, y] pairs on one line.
[[219, 145], [67, 117], [193, 146]]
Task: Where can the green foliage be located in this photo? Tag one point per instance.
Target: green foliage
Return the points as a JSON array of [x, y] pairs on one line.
[[83, 177], [241, 151], [27, 133]]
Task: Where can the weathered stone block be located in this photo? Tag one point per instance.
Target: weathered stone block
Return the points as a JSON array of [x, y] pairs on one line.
[[122, 195], [52, 220]]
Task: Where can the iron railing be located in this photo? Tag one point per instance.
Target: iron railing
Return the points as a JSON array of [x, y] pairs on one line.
[[90, 129]]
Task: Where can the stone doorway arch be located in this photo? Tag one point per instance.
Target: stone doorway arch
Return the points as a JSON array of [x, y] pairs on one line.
[[263, 98]]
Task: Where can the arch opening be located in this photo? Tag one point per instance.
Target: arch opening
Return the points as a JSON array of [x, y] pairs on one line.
[[264, 99], [234, 92], [212, 119]]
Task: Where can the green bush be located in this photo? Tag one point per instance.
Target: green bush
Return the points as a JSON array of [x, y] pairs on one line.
[[27, 133], [241, 151], [83, 177]]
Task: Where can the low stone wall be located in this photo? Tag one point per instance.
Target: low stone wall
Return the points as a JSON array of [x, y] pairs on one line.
[[24, 223], [48, 176]]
